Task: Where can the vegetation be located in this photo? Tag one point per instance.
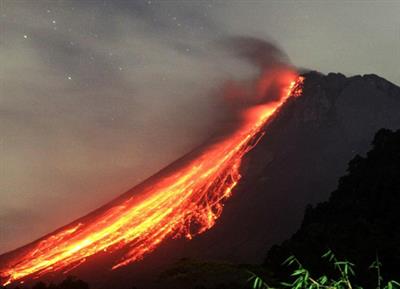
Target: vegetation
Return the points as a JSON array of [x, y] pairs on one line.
[[360, 219], [302, 278]]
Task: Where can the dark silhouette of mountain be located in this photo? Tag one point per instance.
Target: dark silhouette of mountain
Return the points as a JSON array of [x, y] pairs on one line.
[[305, 150], [360, 219]]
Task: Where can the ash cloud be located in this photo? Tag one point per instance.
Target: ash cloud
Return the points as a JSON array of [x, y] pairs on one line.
[[265, 86], [261, 53]]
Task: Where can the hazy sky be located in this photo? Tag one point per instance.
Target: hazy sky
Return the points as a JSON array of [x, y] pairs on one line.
[[97, 95]]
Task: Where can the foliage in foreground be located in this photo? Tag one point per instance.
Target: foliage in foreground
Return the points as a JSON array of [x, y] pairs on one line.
[[361, 216], [302, 278]]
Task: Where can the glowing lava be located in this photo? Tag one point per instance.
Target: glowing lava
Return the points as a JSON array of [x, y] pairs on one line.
[[183, 202]]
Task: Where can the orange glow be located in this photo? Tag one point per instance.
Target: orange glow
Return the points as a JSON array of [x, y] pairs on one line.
[[184, 202]]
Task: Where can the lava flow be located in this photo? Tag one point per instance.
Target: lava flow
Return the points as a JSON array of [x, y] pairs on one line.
[[183, 202]]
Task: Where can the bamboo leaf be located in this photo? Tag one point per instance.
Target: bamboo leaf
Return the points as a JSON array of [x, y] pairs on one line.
[[289, 260], [327, 254], [298, 272]]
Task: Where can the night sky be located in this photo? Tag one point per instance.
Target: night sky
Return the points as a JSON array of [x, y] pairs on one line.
[[97, 95]]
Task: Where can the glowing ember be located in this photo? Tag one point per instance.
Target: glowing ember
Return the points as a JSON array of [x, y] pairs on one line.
[[184, 202]]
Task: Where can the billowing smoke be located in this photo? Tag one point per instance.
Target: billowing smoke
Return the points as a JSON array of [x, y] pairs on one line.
[[94, 100], [260, 53], [270, 62], [272, 72]]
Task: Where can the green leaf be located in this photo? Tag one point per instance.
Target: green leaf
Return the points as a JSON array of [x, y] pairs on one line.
[[289, 260], [323, 280], [257, 283], [327, 254], [342, 263], [352, 273], [298, 285], [395, 282], [373, 265], [392, 284], [298, 272]]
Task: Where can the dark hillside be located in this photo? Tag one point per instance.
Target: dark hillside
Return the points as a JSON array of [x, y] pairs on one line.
[[360, 219]]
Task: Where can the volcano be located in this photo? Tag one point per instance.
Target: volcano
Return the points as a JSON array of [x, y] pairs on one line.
[[306, 147]]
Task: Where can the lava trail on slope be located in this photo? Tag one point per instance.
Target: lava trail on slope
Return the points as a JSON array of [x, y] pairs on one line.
[[185, 200]]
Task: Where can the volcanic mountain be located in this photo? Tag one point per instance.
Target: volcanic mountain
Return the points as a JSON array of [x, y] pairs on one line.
[[305, 150], [298, 161]]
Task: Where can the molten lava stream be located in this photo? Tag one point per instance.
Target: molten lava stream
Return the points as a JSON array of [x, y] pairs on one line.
[[186, 198]]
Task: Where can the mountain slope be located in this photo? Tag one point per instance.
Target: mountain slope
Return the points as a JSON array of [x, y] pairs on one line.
[[298, 161]]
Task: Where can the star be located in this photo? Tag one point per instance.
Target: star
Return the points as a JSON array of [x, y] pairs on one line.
[[69, 78], [26, 36]]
